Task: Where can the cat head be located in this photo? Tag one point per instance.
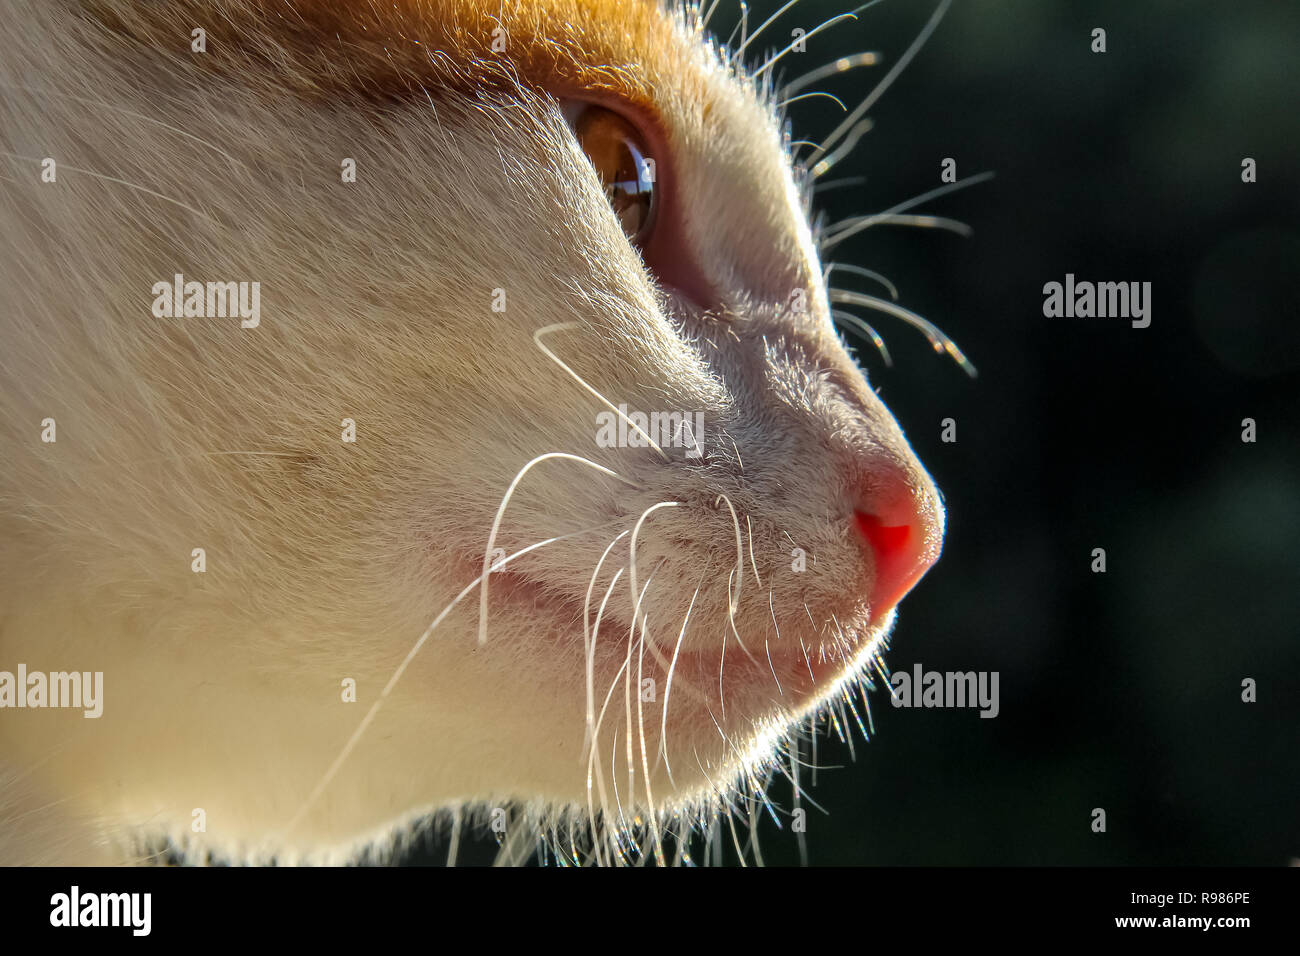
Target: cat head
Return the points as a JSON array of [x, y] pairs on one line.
[[537, 293]]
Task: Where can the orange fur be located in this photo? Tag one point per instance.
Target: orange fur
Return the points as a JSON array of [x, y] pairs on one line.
[[324, 48]]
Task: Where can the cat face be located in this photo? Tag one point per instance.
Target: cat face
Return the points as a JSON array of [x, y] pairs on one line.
[[710, 517]]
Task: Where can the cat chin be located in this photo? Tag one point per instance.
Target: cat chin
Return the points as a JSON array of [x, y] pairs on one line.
[[248, 814], [556, 828]]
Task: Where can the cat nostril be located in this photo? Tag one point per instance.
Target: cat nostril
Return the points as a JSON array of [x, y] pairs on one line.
[[884, 539], [904, 542]]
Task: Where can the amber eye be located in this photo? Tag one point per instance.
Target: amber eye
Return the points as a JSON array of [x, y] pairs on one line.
[[618, 153]]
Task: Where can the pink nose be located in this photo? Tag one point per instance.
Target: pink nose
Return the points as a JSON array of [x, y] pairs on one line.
[[905, 534]]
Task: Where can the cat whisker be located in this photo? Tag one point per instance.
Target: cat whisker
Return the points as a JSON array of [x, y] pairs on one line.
[[740, 462], [624, 671], [741, 26], [708, 14], [801, 838], [752, 563], [740, 560], [805, 649], [844, 645], [651, 814], [937, 338], [668, 681], [627, 682], [825, 25], [839, 183], [740, 51], [121, 182], [840, 65], [735, 838], [736, 577], [593, 750], [636, 530], [722, 655], [772, 608], [866, 329], [860, 129], [870, 99], [851, 706], [868, 273], [919, 221], [589, 635], [842, 230], [501, 509], [751, 806], [620, 858], [537, 340], [812, 739], [806, 96]]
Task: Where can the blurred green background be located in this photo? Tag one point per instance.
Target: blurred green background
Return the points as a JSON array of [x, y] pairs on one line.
[[1119, 690]]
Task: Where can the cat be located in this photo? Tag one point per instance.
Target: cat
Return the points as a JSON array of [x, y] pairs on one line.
[[538, 489]]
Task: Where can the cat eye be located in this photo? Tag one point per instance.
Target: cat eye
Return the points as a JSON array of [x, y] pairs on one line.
[[619, 155], [629, 149]]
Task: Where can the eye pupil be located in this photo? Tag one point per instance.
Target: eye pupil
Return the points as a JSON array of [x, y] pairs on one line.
[[619, 158]]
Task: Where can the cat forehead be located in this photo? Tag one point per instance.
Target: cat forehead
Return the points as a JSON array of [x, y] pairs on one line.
[[386, 49], [639, 57]]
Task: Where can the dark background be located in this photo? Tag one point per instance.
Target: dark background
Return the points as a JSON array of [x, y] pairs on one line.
[[1119, 690]]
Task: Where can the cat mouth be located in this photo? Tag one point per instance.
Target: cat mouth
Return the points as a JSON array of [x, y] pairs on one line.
[[791, 672]]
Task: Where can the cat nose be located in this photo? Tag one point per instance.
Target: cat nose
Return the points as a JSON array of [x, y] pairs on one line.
[[902, 526]]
